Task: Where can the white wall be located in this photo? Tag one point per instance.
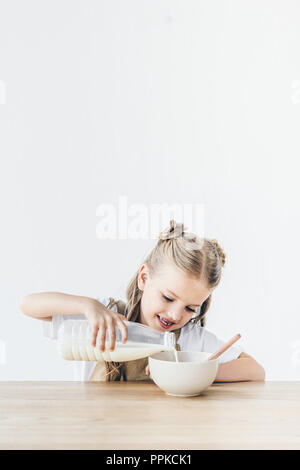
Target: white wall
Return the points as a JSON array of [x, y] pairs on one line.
[[163, 101]]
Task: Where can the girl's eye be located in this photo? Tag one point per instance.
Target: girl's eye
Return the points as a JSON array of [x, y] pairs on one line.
[[190, 309], [171, 300]]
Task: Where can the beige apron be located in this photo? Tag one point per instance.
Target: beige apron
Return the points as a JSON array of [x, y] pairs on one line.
[[125, 371]]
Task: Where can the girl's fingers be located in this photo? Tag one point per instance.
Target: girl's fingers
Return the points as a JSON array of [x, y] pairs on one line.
[[94, 335], [108, 325], [121, 316], [102, 337], [112, 333], [123, 329]]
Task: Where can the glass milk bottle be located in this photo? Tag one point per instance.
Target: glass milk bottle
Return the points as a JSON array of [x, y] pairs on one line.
[[74, 342]]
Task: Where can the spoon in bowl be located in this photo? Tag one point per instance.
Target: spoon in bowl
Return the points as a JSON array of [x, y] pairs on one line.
[[225, 347]]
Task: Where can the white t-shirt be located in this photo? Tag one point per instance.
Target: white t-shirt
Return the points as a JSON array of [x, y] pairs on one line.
[[193, 337]]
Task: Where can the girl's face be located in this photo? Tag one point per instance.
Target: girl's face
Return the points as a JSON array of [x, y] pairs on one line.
[[170, 297]]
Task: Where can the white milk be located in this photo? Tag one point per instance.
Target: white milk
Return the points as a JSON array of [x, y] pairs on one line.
[[176, 354], [123, 352]]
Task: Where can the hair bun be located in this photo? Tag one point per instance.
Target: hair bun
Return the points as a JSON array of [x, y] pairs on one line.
[[219, 250], [175, 230]]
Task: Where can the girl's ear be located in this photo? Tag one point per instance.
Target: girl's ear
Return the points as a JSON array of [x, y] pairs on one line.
[[143, 276]]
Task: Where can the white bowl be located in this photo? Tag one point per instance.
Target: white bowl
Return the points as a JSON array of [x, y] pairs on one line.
[[186, 378]]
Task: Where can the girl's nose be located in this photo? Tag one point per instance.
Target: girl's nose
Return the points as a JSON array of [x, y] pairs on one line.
[[174, 316]]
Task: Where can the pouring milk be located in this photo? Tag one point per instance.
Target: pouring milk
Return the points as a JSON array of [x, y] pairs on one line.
[[74, 342]]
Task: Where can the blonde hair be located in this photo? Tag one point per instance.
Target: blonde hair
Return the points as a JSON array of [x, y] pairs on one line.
[[200, 258]]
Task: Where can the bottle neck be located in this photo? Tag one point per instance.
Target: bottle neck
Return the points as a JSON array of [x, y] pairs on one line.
[[170, 340]]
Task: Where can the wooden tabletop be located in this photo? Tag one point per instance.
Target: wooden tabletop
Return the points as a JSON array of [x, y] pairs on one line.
[[138, 415]]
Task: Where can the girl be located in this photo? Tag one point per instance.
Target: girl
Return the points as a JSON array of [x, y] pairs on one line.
[[171, 291]]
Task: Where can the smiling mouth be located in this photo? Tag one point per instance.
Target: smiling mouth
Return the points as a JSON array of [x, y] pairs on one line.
[[164, 323]]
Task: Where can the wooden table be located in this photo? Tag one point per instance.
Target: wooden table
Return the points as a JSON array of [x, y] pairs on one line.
[[138, 415]]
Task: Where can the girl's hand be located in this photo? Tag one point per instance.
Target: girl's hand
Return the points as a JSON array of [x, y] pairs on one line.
[[102, 319], [147, 370]]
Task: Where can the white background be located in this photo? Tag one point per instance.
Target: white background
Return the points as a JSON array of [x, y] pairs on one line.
[[161, 102]]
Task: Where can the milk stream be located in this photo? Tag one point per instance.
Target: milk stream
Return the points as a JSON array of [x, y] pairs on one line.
[[176, 354]]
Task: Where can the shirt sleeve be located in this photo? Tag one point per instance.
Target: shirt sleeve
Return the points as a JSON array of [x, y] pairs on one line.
[[211, 343], [50, 328]]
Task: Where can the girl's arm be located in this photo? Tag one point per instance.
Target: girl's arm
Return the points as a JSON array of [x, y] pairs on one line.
[[244, 368], [45, 304]]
